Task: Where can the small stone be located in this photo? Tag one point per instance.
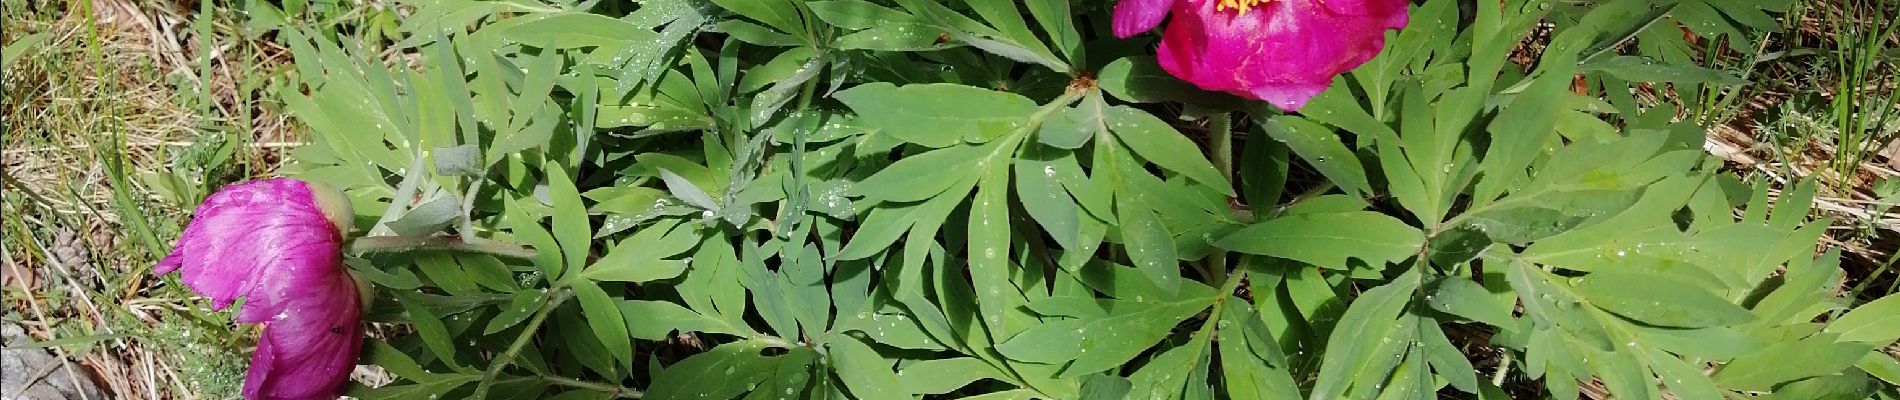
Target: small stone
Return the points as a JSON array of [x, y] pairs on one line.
[[30, 374]]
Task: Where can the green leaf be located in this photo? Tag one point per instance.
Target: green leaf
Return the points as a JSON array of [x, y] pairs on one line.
[[537, 130], [1262, 169], [488, 271], [892, 36], [68, 341], [1018, 394], [1321, 148], [936, 115], [1070, 127], [1132, 328], [686, 191], [1847, 385], [656, 117], [524, 304], [529, 232], [1056, 19], [1807, 281], [1140, 79], [857, 14], [442, 270], [633, 261], [653, 320], [605, 319], [644, 61], [420, 391], [945, 375], [1020, 52], [571, 228], [1713, 343], [1051, 342], [1155, 141], [1876, 323], [398, 277], [532, 95], [428, 326], [791, 377], [721, 373], [922, 176], [1105, 386], [1544, 299], [380, 353], [989, 249], [782, 66], [753, 33], [1643, 69], [1522, 225], [1457, 295], [1790, 360], [1367, 324], [576, 30], [1251, 363], [880, 229], [865, 372], [1445, 358], [1328, 240], [1150, 246], [1880, 365], [463, 160], [887, 328], [1659, 300], [781, 14], [19, 47], [1337, 106], [1008, 20], [1684, 380], [1524, 128], [634, 269], [1587, 247], [768, 103], [1175, 373], [1044, 198]]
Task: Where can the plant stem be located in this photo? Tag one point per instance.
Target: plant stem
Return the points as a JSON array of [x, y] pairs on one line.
[[527, 333], [467, 230], [618, 391], [396, 244], [1220, 133], [1497, 378]]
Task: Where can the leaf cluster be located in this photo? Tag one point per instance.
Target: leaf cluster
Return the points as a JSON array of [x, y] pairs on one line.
[[996, 199]]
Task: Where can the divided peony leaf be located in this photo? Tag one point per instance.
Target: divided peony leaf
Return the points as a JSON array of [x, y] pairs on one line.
[[1328, 240]]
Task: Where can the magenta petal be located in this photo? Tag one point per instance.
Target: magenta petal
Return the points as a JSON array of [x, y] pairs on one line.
[[1365, 7], [309, 349], [1284, 52], [249, 230], [269, 242], [1137, 16]]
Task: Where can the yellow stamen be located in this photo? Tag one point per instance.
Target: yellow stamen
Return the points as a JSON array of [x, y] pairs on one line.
[[1241, 5]]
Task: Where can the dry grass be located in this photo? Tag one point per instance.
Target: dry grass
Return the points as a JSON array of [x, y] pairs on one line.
[[123, 80], [1784, 131]]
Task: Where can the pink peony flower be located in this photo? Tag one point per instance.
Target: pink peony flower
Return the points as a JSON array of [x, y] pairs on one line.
[[278, 243], [1281, 51]]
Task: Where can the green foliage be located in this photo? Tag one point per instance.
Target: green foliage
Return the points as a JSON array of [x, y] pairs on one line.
[[772, 199]]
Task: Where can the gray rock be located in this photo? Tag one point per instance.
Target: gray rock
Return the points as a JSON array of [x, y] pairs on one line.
[[35, 374]]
